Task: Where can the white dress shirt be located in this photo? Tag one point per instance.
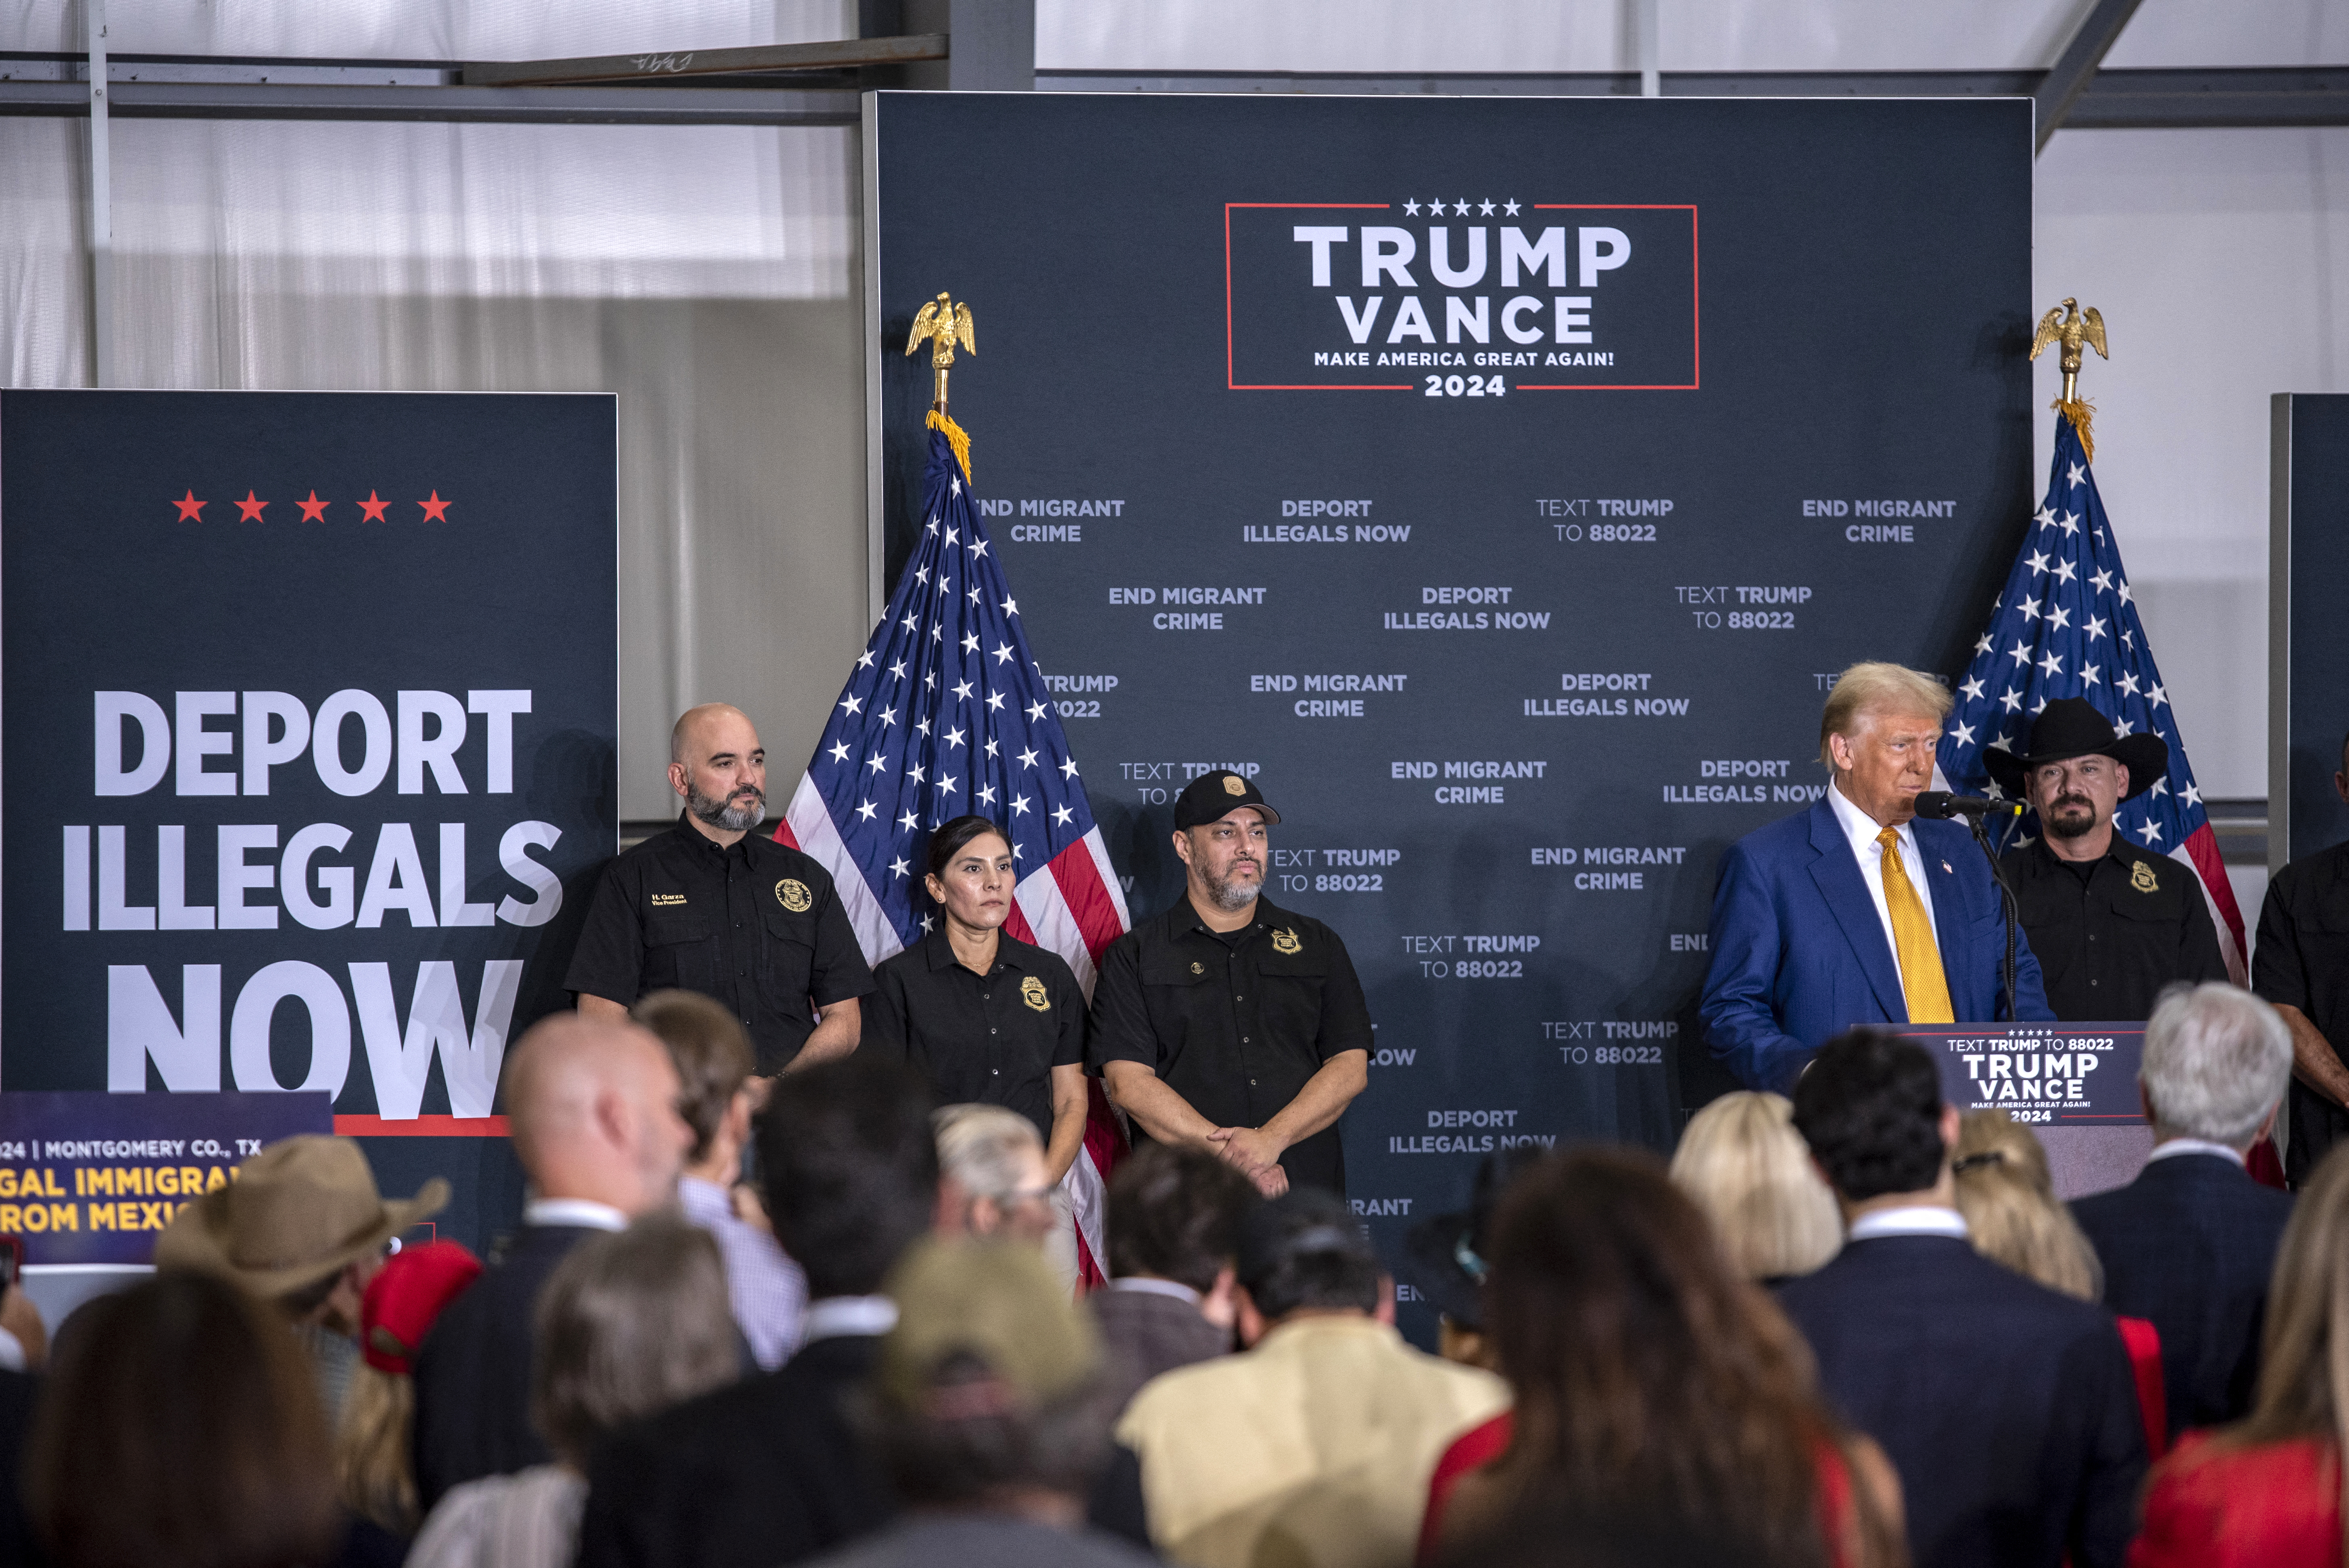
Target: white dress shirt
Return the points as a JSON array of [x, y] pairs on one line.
[[1861, 830], [847, 1316], [584, 1212], [2170, 1147], [1175, 1288], [1918, 1220]]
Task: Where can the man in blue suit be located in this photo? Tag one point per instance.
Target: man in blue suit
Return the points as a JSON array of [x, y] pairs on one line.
[[2191, 1242], [2008, 1409], [1853, 911]]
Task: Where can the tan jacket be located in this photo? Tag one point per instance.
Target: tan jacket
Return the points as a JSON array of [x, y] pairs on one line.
[[1311, 1450]]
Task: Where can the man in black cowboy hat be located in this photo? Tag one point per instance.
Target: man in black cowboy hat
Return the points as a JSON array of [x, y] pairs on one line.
[[2110, 923]]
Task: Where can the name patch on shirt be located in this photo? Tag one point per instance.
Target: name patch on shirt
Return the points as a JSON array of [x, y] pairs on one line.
[[2141, 878], [793, 895], [667, 900], [1031, 991]]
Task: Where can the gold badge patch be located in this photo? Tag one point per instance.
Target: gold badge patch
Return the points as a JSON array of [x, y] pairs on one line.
[[1031, 991], [2141, 878], [1232, 786], [1285, 942], [793, 895], [1198, 968]]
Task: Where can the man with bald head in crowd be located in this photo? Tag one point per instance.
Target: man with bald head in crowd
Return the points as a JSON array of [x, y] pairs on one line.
[[592, 1106], [713, 907]]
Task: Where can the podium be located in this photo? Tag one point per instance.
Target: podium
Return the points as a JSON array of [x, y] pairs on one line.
[[2075, 1085]]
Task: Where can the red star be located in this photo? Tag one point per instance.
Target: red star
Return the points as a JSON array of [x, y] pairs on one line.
[[436, 510], [249, 509], [190, 509], [371, 509], [314, 509]]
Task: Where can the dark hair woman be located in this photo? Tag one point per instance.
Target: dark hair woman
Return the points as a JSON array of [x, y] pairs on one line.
[[1650, 1374], [181, 1430], [990, 1019], [2268, 1491]]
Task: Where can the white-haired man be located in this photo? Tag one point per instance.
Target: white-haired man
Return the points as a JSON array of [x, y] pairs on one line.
[[2189, 1245], [993, 1181], [1853, 911]]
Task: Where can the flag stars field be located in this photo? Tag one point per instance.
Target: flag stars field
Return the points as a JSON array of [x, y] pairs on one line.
[[2066, 595]]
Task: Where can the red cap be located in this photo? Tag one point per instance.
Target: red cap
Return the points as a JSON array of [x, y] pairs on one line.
[[406, 1294]]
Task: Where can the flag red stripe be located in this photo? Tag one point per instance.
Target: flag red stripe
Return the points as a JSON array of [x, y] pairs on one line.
[[783, 834], [1079, 880], [2212, 866]]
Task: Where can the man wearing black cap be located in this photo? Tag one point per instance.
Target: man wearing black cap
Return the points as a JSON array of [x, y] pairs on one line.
[[1229, 1025], [2110, 923]]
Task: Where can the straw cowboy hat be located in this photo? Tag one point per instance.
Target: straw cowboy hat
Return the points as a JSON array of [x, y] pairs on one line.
[[298, 1212]]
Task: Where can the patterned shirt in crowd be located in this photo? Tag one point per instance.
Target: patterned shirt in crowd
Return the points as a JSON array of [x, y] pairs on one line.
[[527, 1521], [768, 1290]]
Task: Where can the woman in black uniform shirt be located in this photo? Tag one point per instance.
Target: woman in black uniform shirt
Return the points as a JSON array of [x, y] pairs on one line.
[[992, 1020]]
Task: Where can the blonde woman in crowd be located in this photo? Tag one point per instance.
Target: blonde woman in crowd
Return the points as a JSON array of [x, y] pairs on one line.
[[2012, 1217], [1746, 1167], [376, 1430]]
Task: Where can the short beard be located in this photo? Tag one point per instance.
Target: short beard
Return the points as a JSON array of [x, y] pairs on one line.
[[1225, 894], [2068, 830], [722, 816]]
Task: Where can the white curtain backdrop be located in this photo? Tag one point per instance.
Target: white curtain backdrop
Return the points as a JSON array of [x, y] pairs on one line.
[[706, 274]]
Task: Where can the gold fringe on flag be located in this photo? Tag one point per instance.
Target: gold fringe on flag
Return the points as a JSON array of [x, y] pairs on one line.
[[959, 439], [2079, 410]]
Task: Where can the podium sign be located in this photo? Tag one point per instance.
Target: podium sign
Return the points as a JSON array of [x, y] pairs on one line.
[[2050, 1075], [2073, 1084]]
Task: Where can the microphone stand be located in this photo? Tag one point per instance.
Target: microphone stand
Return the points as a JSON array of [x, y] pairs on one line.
[[2009, 908]]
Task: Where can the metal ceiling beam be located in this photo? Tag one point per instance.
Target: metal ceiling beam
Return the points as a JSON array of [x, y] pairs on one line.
[[500, 106], [829, 56], [2289, 96], [200, 87], [2075, 66]]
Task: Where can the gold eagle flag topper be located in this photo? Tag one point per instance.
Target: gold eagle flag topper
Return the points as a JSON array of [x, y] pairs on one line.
[[2071, 330], [945, 324]]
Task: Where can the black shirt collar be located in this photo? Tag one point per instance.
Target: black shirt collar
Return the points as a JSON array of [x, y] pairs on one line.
[[2119, 851], [695, 836], [1011, 953], [1183, 919]]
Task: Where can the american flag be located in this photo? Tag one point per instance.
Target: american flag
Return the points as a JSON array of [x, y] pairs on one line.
[[2066, 625], [946, 715]]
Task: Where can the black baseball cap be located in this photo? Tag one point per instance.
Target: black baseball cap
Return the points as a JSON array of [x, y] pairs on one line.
[[1211, 796]]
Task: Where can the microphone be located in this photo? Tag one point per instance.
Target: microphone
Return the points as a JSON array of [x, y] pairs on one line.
[[1939, 804]]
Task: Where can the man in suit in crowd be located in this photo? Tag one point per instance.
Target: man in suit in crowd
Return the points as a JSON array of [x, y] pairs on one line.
[[1855, 911], [1173, 1230], [770, 1470], [2301, 964], [593, 1110], [2189, 1245], [2009, 1410]]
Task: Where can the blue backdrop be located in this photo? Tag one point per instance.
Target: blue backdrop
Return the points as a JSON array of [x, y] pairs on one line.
[[1501, 481]]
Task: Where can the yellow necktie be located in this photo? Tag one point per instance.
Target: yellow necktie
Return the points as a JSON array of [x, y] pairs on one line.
[[1927, 988]]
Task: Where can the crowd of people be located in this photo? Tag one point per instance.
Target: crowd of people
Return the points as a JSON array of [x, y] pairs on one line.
[[1849, 1329]]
